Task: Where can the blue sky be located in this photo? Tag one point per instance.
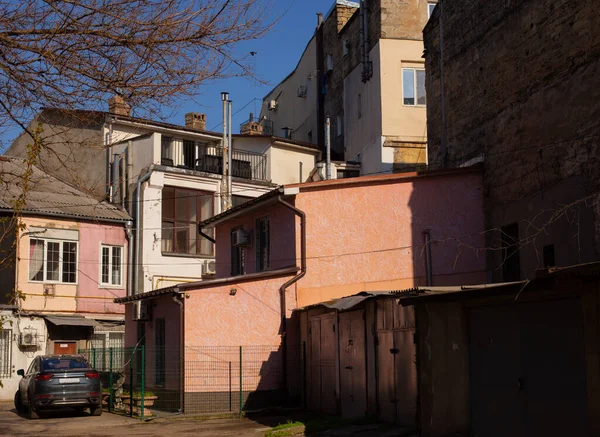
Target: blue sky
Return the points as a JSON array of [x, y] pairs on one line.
[[277, 55]]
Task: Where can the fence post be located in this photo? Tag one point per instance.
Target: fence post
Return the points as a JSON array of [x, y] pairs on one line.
[[131, 382], [143, 377], [241, 381], [94, 358], [110, 379], [230, 404]]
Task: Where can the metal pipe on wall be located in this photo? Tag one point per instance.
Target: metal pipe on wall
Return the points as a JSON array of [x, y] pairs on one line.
[[138, 224], [129, 234], [230, 160], [225, 160], [328, 148]]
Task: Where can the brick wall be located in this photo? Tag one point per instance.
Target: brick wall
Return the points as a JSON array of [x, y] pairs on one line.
[[521, 83]]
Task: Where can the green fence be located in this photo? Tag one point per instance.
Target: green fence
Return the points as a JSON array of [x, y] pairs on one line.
[[149, 382]]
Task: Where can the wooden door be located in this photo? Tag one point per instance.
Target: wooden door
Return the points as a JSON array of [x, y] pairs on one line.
[[65, 347], [386, 385], [353, 374], [323, 347]]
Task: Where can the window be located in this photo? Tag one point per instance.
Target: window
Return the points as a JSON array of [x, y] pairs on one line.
[[549, 260], [263, 261], [238, 200], [345, 47], [413, 86], [237, 257], [340, 125], [182, 210], [111, 265], [166, 151], [345, 174], [52, 261], [359, 105], [511, 265], [5, 353], [430, 8]]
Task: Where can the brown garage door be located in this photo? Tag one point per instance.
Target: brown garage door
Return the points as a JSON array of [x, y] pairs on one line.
[[527, 369], [323, 381], [353, 369]]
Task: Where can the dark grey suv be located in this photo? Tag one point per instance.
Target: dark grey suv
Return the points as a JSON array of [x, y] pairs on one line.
[[57, 381]]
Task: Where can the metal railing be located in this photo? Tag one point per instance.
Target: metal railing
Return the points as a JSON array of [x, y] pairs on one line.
[[209, 159], [150, 382]]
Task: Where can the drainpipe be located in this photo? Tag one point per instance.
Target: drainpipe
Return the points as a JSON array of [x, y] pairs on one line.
[[230, 159], [179, 301], [328, 148], [129, 234], [138, 224], [443, 139], [427, 234], [109, 140], [291, 281]]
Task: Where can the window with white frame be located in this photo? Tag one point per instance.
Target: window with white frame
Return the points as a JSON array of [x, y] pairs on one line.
[[413, 86], [111, 270], [430, 8], [52, 261]]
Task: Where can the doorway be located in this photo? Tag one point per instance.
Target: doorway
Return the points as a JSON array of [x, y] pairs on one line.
[[65, 347]]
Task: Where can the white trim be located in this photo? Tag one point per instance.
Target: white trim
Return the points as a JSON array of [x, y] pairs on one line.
[[110, 265], [60, 263]]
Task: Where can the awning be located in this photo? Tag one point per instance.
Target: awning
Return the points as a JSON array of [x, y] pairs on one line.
[[71, 321]]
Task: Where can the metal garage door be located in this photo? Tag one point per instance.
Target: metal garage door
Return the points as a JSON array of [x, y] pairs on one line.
[[527, 370]]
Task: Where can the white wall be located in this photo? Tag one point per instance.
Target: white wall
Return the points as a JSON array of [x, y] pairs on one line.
[[21, 358], [284, 164], [158, 270]]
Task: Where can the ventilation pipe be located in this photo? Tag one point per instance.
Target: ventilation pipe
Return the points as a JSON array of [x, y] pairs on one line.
[[327, 148], [225, 161], [230, 159]]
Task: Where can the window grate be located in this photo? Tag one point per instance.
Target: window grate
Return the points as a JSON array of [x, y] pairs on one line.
[[5, 353]]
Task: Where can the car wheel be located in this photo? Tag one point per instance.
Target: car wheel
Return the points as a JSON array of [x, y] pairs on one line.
[[96, 411], [21, 409], [32, 414]]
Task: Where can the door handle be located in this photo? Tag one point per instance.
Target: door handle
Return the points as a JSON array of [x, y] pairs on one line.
[[348, 367]]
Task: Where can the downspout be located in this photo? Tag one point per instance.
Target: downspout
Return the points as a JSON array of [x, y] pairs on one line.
[[138, 223], [129, 234], [178, 300], [429, 269], [291, 281], [108, 140], [230, 159], [443, 139]]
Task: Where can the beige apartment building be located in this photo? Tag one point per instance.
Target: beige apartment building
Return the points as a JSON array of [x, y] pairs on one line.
[[364, 70]]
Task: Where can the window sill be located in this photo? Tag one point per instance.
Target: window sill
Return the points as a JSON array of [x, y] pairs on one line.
[[186, 255], [414, 106], [52, 283], [111, 287]]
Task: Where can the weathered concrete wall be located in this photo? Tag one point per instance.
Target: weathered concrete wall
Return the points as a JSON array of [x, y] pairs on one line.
[[66, 135], [520, 87]]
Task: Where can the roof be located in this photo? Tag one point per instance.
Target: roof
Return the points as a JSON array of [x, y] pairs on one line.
[[146, 121], [277, 139], [419, 295], [349, 302], [47, 195], [285, 190]]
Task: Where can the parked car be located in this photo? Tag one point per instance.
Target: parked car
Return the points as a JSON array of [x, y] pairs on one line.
[[57, 381]]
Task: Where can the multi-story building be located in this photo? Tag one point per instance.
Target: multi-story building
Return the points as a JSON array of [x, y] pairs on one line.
[[363, 70], [521, 96], [169, 177], [64, 260]]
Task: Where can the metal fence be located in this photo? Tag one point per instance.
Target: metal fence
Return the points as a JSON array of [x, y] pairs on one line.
[[149, 382]]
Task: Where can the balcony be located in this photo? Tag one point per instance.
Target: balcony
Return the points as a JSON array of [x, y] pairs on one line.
[[209, 159]]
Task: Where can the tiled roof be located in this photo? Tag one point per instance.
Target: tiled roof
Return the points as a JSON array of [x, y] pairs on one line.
[[46, 195]]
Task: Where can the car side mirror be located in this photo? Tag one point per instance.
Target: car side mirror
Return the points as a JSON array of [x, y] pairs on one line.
[[21, 372]]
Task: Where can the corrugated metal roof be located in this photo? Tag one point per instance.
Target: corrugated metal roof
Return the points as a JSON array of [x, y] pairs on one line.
[[46, 195], [349, 302], [71, 321]]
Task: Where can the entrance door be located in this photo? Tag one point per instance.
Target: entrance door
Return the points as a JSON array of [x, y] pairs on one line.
[[323, 379], [527, 364], [65, 347], [353, 369]]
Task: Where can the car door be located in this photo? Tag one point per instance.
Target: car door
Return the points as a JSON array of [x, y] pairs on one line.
[[26, 380]]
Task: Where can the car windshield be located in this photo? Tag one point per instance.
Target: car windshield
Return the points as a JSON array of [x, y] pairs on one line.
[[50, 364]]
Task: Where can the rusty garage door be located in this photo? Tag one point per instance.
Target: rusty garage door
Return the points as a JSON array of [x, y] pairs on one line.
[[527, 370], [323, 347], [353, 369], [396, 365]]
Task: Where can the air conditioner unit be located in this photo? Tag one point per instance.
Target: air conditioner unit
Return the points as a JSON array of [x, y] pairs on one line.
[[272, 105], [141, 311], [209, 267], [301, 91], [239, 237], [49, 289], [28, 339]]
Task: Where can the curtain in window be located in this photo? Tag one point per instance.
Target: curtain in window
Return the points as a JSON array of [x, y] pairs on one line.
[[36, 260]]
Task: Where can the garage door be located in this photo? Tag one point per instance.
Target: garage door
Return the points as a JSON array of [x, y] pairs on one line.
[[527, 370]]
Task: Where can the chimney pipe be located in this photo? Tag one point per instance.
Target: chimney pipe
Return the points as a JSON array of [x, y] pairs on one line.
[[118, 106], [319, 19], [195, 120]]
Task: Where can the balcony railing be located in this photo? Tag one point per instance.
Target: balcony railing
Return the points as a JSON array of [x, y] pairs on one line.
[[209, 159]]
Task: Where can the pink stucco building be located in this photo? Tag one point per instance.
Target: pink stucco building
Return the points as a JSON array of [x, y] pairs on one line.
[[307, 243]]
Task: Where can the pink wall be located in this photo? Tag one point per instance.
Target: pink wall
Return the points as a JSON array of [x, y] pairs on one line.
[[93, 297], [283, 248]]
